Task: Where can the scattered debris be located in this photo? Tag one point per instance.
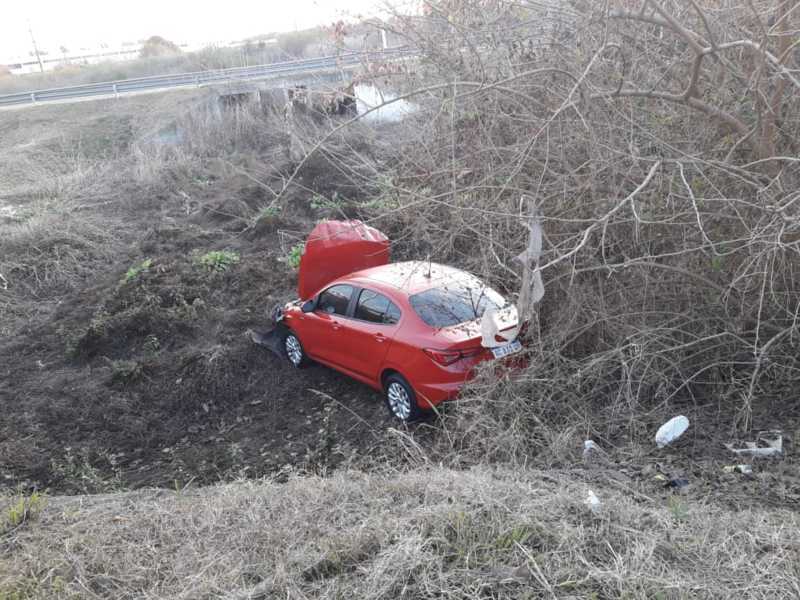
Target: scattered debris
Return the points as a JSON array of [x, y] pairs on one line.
[[272, 339], [671, 430], [593, 454], [501, 326], [592, 502], [743, 469], [767, 444], [677, 483]]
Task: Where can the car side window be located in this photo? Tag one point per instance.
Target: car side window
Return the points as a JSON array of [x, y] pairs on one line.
[[335, 299], [376, 308], [392, 315]]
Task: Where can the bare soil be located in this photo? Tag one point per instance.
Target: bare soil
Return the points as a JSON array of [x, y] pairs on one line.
[[110, 381], [154, 381]]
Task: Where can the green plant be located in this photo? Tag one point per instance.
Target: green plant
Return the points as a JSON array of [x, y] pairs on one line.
[[319, 202], [219, 260], [678, 508], [136, 270], [293, 259], [20, 589], [518, 534], [269, 212], [22, 509], [78, 472]]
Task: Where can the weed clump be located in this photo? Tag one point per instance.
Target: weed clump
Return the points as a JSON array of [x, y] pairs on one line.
[[295, 253], [23, 508], [269, 213], [87, 472], [136, 270], [219, 260]]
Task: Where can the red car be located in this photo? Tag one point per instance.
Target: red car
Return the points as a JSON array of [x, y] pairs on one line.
[[411, 329]]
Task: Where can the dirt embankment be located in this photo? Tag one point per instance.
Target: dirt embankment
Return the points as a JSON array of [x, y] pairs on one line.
[[125, 361]]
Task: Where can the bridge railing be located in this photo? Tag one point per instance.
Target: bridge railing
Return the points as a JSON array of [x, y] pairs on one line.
[[198, 78]]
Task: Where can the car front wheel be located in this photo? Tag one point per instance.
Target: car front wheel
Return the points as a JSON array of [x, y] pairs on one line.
[[294, 351], [401, 399]]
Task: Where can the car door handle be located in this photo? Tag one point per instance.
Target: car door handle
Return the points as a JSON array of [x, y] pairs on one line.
[[335, 325], [380, 337]]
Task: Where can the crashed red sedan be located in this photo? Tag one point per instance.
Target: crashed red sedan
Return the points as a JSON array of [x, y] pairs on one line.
[[411, 329]]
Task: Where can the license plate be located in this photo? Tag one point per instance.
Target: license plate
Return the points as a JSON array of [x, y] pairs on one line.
[[511, 348]]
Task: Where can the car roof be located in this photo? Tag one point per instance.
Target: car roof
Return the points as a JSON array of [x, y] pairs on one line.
[[409, 277]]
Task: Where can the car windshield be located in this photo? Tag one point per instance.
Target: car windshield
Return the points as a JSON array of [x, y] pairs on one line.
[[455, 304]]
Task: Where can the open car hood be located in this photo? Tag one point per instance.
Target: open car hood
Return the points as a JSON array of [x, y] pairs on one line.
[[336, 248]]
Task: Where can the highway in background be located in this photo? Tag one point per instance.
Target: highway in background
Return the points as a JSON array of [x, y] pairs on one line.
[[200, 78]]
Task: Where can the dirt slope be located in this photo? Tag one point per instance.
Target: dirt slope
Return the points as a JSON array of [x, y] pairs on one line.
[[113, 374]]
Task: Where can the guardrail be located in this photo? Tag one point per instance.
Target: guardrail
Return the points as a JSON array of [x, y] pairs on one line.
[[198, 78]]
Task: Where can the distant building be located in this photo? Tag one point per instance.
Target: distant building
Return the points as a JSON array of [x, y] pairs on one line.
[[84, 56]]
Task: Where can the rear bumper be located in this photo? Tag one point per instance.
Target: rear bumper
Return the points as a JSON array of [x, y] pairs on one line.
[[433, 394], [448, 383]]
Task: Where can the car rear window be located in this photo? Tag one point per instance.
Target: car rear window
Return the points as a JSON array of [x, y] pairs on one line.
[[454, 304], [376, 308]]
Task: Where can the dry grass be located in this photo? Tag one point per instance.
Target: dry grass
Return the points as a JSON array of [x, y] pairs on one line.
[[429, 534], [71, 175], [290, 45]]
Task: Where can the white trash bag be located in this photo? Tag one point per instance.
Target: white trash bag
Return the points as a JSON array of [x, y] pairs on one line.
[[592, 502], [594, 455], [671, 430]]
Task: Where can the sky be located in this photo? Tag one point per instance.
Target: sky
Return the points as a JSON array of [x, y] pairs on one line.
[[87, 23]]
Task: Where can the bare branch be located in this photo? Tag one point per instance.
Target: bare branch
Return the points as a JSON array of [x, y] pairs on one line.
[[588, 231], [693, 39], [694, 206], [703, 18]]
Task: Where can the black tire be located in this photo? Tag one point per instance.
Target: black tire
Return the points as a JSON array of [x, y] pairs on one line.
[[294, 352], [401, 400]]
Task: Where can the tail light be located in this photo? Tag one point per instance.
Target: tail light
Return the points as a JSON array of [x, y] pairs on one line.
[[448, 357]]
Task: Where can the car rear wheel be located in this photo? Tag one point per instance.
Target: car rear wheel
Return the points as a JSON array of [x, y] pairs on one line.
[[294, 351], [401, 399]]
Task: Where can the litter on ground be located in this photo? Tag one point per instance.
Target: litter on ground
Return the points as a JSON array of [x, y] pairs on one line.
[[743, 469], [671, 430], [593, 454], [677, 483], [768, 444], [592, 502]]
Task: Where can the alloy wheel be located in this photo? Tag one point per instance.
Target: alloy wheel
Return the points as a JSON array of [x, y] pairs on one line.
[[294, 351], [399, 400]]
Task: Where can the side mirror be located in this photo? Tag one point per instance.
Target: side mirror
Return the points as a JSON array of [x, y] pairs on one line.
[[308, 306]]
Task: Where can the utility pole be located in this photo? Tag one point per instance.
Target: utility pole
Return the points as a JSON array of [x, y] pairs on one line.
[[35, 48]]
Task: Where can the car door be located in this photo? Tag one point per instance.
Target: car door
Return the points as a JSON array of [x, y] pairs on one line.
[[322, 334], [369, 332]]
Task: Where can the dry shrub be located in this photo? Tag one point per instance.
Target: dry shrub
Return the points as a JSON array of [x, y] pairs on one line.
[[658, 144], [52, 252]]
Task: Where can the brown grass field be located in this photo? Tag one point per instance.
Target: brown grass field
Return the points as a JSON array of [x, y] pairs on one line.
[[429, 533]]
